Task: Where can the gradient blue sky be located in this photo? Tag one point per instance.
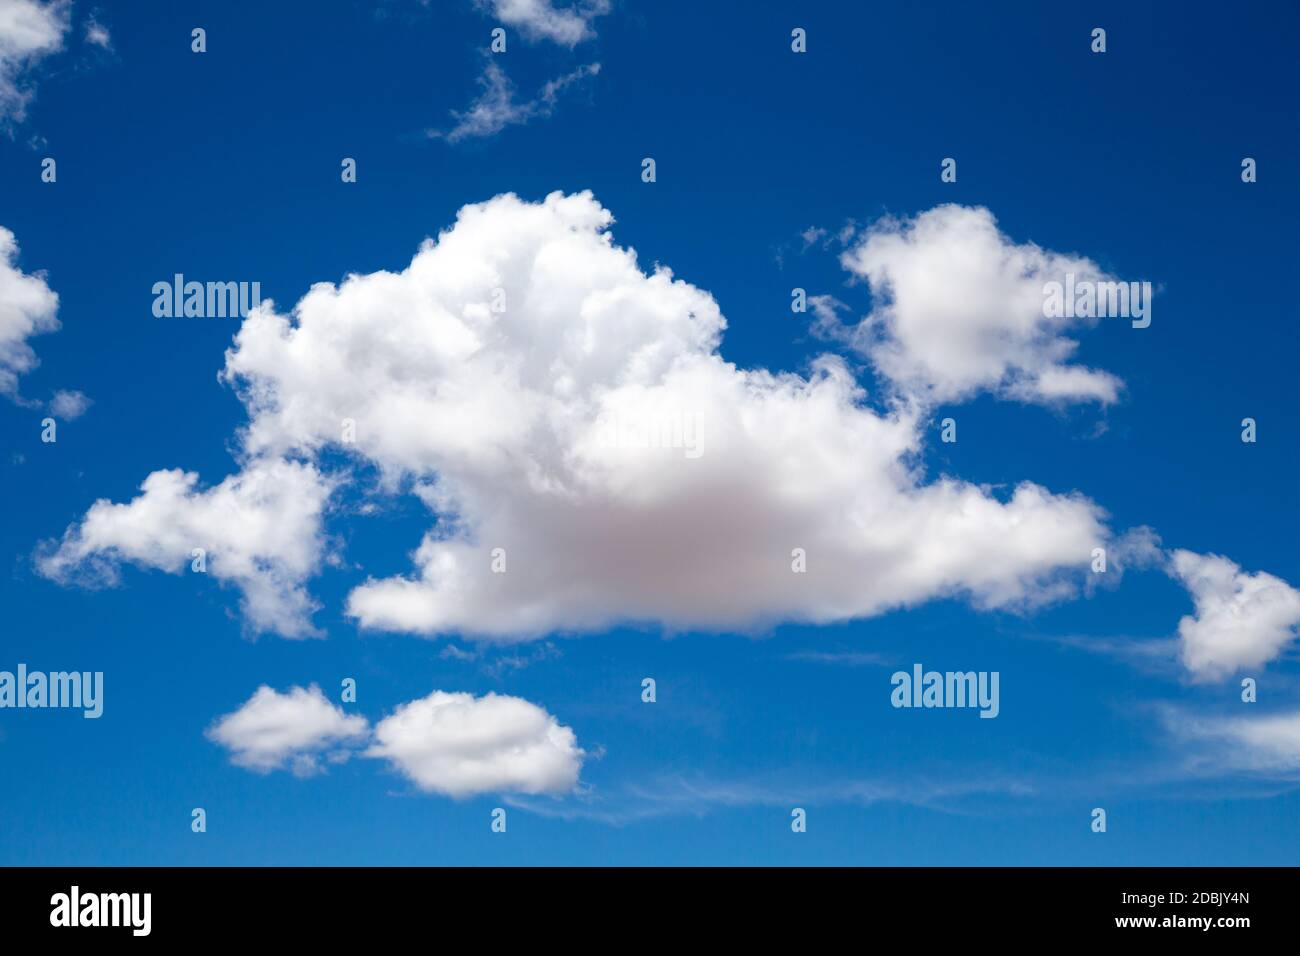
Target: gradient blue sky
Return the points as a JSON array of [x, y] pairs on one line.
[[226, 165]]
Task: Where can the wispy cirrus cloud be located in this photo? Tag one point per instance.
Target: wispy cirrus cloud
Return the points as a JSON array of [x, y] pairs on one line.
[[1216, 744], [842, 658], [498, 105], [681, 795], [565, 24]]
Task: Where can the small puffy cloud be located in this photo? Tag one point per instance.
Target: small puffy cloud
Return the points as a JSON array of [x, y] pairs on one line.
[[567, 25], [460, 745], [958, 308], [97, 35], [27, 307], [69, 404], [1240, 620], [295, 729], [260, 531], [811, 237], [497, 105], [30, 30]]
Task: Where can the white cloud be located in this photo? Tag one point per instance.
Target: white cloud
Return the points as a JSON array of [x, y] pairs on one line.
[[542, 19], [68, 404], [461, 745], [1216, 743], [27, 307], [812, 236], [260, 530], [1241, 620], [97, 34], [29, 31], [498, 107], [673, 794], [296, 728], [959, 308], [454, 744], [1263, 743]]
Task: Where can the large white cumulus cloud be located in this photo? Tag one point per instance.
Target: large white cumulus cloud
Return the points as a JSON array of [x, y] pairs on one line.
[[547, 429]]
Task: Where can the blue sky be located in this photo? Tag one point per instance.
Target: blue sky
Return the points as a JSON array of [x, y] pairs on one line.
[[225, 165]]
